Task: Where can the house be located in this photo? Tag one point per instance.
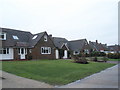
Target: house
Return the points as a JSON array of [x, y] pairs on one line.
[[79, 46], [17, 45], [99, 47], [62, 47], [114, 49]]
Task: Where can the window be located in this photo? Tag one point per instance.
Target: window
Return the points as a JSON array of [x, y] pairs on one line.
[[4, 50], [86, 51], [35, 37], [45, 38], [2, 36], [15, 37], [22, 50], [45, 50], [75, 52]]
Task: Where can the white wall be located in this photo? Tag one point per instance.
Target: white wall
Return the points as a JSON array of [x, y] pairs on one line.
[[7, 56]]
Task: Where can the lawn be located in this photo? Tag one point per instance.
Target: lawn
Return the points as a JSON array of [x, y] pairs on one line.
[[114, 59], [54, 72]]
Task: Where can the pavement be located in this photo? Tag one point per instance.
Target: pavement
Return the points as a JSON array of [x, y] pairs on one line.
[[13, 81], [105, 79]]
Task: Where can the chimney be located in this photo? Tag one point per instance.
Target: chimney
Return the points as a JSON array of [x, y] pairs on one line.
[[96, 41], [50, 35]]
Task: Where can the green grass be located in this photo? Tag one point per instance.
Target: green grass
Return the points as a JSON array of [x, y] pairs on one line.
[[54, 72], [114, 59]]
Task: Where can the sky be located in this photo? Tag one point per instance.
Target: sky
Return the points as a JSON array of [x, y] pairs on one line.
[[71, 19]]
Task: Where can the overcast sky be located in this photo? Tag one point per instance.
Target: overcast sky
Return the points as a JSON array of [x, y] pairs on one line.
[[71, 19]]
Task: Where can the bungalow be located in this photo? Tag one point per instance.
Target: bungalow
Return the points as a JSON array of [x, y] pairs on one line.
[[79, 46], [98, 47], [18, 45], [114, 49], [62, 47]]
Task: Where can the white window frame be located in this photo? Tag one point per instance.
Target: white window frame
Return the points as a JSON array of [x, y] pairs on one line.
[[20, 51], [45, 38], [45, 50], [86, 51], [4, 34], [6, 50]]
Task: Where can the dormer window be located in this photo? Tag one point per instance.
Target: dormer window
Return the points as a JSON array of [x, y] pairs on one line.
[[15, 37], [45, 38], [2, 36], [35, 37]]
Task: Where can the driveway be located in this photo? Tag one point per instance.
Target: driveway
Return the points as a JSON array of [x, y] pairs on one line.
[[105, 79], [13, 81]]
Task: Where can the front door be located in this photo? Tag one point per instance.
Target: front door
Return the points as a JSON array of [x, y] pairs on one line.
[[65, 54], [22, 53]]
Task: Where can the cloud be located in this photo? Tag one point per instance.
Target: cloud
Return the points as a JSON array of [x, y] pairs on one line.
[[72, 19]]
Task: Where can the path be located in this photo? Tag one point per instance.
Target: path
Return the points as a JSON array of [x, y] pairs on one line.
[[13, 81]]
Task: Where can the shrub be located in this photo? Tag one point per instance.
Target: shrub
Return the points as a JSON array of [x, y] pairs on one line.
[[95, 53], [102, 54], [80, 59], [114, 55], [95, 59], [105, 59]]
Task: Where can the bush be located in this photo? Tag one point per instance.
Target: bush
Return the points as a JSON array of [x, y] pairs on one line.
[[95, 59], [114, 55], [80, 59], [105, 59], [95, 53]]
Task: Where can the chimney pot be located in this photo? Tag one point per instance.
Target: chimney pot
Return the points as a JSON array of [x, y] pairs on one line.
[[96, 41]]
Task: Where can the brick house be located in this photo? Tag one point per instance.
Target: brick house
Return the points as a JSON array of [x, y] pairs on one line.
[[62, 47], [114, 48], [17, 45], [21, 45], [79, 46], [99, 47]]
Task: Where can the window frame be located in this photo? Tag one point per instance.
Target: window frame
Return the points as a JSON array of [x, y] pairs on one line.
[[45, 50], [45, 38], [22, 51], [2, 36], [4, 51]]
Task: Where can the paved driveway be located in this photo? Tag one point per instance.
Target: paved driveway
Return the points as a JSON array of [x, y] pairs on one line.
[[105, 79], [13, 81]]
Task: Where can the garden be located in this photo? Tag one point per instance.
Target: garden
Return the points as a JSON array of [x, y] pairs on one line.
[[54, 72]]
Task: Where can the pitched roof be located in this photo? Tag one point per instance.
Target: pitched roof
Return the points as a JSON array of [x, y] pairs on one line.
[[60, 41], [98, 46], [32, 41], [93, 45], [25, 39], [77, 45], [114, 48], [10, 41]]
